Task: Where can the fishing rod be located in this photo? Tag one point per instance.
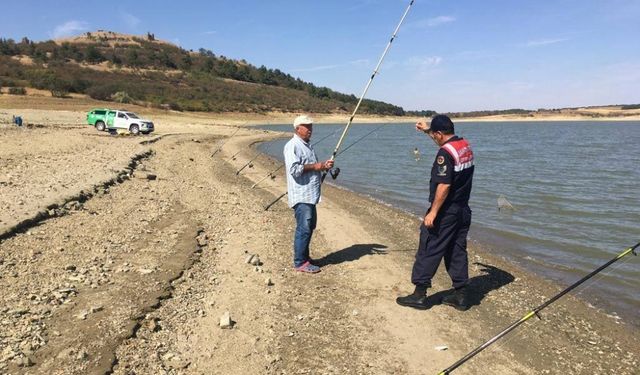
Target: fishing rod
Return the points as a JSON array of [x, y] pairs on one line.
[[224, 142], [267, 207], [535, 311], [270, 174], [334, 175], [233, 157], [248, 163], [366, 88]]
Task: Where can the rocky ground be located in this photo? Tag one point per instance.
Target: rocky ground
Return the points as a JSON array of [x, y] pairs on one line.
[[148, 255]]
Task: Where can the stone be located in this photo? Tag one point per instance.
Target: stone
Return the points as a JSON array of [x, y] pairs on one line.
[[82, 355], [225, 321], [268, 281], [255, 260], [24, 361]]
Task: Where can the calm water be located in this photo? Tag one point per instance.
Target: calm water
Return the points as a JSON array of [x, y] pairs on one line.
[[574, 186]]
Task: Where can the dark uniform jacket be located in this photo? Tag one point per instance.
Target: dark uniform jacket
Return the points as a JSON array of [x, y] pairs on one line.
[[454, 166]]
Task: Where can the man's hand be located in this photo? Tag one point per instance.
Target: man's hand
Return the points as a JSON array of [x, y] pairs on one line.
[[422, 126], [326, 165], [429, 219]]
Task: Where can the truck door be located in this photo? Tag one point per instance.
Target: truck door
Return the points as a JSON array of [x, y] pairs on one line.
[[110, 117], [120, 121]]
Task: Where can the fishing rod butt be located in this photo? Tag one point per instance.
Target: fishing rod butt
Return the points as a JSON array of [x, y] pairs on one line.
[[274, 202]]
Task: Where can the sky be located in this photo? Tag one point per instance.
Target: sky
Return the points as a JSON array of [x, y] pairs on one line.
[[449, 55]]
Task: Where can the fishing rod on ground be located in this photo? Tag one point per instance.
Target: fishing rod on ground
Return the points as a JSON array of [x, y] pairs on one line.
[[355, 110], [535, 311], [337, 170], [227, 140], [271, 174], [233, 157]]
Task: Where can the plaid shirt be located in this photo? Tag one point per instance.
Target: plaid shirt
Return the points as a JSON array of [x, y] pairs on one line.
[[302, 187]]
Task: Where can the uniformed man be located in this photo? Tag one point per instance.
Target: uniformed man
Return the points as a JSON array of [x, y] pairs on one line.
[[443, 233]]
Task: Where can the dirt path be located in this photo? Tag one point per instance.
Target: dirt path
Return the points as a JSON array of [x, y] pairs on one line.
[[135, 278]]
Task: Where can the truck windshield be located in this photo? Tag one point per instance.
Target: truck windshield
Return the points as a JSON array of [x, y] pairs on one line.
[[132, 115]]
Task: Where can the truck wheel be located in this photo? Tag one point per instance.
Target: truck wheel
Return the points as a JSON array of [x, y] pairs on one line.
[[99, 126], [134, 129]]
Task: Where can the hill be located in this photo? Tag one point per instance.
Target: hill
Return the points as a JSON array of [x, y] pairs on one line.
[[126, 68], [122, 68]]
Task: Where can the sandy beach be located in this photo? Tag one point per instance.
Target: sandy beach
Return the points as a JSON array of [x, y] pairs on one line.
[[120, 255]]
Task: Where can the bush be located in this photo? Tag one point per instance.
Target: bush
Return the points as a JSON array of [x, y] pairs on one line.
[[17, 91], [101, 92], [121, 97], [59, 93]]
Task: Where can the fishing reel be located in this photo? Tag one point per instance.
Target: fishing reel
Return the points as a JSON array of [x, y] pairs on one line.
[[334, 172]]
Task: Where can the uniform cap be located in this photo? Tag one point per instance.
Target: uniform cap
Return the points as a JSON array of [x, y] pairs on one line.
[[302, 120], [441, 123]]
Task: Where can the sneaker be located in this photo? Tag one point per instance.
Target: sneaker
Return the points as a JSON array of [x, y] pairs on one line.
[[308, 267], [415, 300], [457, 300]]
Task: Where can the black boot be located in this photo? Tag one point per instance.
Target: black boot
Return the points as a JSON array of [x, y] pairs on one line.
[[417, 299], [457, 299]]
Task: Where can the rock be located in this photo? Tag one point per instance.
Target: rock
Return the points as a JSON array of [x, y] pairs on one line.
[[441, 347], [151, 176], [82, 315], [95, 309], [24, 361], [248, 259], [70, 267], [255, 260], [268, 282], [145, 271], [82, 355], [225, 321]]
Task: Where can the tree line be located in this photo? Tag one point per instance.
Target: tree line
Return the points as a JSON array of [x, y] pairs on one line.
[[196, 69]]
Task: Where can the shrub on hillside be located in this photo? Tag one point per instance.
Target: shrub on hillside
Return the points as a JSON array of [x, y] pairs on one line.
[[101, 92], [17, 91], [121, 97]]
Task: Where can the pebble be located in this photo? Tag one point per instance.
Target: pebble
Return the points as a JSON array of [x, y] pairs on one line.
[[225, 321], [255, 260]]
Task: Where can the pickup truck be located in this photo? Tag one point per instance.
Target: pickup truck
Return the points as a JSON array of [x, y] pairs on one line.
[[111, 119]]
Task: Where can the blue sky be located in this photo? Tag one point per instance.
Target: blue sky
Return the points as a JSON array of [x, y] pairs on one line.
[[449, 55]]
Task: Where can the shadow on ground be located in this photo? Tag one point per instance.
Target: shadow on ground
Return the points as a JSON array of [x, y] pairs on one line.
[[352, 253], [479, 286]]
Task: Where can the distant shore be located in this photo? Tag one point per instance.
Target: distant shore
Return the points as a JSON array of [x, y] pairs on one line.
[[38, 100]]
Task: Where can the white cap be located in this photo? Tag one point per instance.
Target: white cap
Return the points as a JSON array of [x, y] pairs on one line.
[[302, 120]]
